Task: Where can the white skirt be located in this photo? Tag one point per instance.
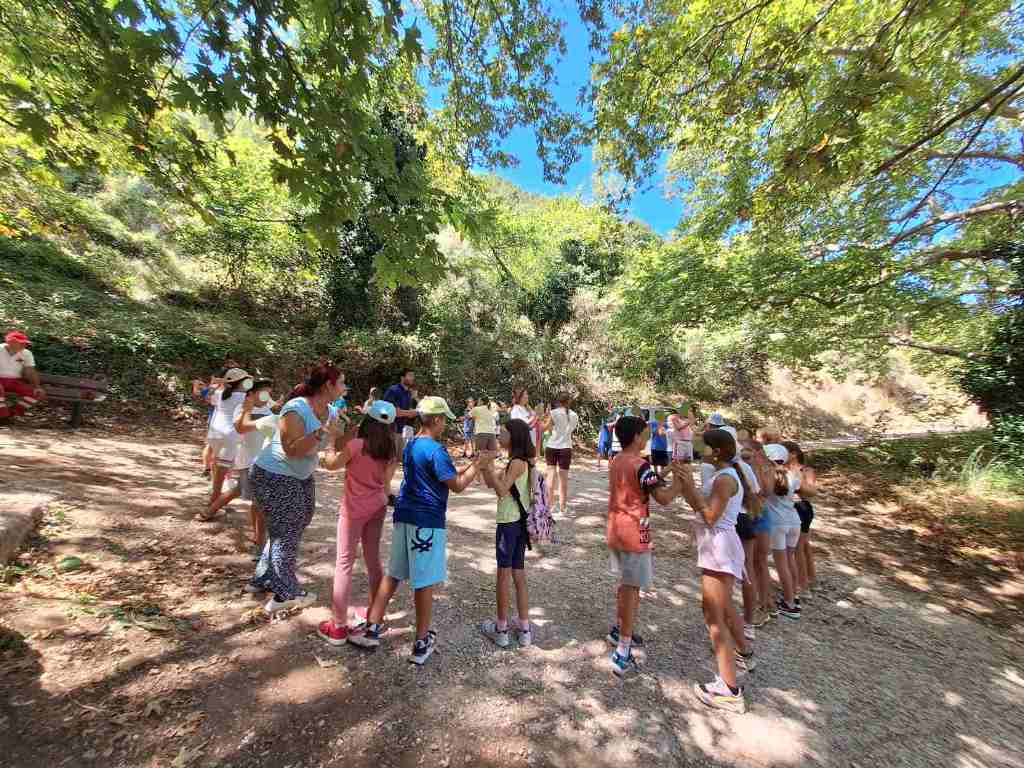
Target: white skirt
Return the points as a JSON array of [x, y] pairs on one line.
[[719, 549]]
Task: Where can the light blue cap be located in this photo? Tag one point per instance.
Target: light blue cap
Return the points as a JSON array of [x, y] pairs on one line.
[[382, 411]]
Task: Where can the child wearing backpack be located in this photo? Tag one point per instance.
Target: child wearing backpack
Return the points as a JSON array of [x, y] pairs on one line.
[[631, 484], [512, 536]]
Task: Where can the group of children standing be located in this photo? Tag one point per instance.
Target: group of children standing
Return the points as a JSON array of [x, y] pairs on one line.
[[752, 501]]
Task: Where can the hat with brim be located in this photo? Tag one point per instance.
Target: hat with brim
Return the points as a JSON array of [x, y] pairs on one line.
[[234, 375], [776, 452], [434, 406], [716, 420]]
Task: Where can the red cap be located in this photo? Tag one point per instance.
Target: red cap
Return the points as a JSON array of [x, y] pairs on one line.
[[18, 338]]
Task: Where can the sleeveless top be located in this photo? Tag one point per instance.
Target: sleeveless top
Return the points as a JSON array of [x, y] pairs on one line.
[[735, 505]]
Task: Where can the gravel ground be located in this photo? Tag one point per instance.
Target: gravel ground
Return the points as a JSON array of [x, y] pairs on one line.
[[151, 655]]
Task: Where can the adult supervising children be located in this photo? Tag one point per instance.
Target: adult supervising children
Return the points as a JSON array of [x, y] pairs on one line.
[[562, 422], [401, 395], [18, 376], [418, 545], [284, 488]]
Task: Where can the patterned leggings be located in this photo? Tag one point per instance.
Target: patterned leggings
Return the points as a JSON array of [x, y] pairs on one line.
[[288, 504]]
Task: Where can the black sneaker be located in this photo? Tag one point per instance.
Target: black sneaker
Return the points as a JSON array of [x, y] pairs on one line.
[[369, 637], [789, 611], [613, 638], [422, 649]]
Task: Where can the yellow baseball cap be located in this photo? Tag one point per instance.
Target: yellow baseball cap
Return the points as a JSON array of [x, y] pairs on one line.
[[434, 406]]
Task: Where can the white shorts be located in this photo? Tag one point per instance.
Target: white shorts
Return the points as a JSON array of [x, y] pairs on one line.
[[224, 449], [785, 536]]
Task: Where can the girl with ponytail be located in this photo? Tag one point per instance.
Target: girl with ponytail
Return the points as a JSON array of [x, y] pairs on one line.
[[720, 557]]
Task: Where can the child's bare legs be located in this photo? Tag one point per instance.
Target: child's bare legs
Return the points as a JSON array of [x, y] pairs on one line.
[[549, 479], [379, 607], [207, 458], [748, 586], [224, 499], [504, 577], [785, 575], [219, 473], [259, 529], [801, 564], [628, 599], [424, 599], [563, 488], [522, 597], [812, 573], [717, 593], [794, 570], [762, 547]]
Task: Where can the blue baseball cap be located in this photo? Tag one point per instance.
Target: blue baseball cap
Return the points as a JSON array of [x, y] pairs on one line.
[[382, 411]]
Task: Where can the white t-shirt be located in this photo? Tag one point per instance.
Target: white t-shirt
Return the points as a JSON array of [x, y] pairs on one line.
[[523, 414], [250, 443], [12, 365], [563, 424], [222, 426]]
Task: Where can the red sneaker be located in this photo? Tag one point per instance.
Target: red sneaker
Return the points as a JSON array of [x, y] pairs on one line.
[[331, 634]]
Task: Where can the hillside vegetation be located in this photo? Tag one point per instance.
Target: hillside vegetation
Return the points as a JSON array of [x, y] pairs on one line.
[[102, 278]]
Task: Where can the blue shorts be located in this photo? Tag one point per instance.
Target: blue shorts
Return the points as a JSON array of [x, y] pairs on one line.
[[419, 555], [762, 524], [510, 545]]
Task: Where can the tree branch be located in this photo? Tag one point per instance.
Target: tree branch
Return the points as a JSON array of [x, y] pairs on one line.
[[949, 123], [1017, 160], [935, 349]]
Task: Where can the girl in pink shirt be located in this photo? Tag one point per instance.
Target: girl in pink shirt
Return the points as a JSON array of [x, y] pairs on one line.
[[370, 461]]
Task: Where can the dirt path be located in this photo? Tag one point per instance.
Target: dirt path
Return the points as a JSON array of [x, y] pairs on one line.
[[152, 656]]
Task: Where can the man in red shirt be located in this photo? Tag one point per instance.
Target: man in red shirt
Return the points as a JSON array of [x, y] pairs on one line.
[[18, 375]]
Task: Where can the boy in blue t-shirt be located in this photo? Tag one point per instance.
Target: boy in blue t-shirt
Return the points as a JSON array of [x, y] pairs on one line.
[[418, 545], [661, 456]]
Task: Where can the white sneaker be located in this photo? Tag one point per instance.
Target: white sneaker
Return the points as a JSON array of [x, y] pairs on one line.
[[748, 631], [525, 637], [301, 601], [497, 636], [718, 696]]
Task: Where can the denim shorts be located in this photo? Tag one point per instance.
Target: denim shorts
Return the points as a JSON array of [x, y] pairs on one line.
[[762, 524], [419, 555]]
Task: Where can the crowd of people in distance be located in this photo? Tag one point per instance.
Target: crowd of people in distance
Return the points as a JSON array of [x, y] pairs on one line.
[[752, 502]]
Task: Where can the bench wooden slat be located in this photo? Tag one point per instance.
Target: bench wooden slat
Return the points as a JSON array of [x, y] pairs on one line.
[[68, 394], [51, 380]]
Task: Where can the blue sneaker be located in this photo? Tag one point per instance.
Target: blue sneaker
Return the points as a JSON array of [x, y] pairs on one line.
[[613, 638], [624, 666]]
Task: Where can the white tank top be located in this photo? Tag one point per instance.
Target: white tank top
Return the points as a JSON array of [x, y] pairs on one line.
[[735, 504]]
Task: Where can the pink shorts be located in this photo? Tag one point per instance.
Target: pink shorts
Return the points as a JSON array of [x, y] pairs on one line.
[[719, 549]]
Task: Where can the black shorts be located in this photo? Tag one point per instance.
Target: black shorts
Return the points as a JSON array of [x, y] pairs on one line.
[[745, 527], [661, 458], [806, 512], [510, 545], [559, 457]]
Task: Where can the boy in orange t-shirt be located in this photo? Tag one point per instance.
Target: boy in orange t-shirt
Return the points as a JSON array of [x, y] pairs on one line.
[[631, 483]]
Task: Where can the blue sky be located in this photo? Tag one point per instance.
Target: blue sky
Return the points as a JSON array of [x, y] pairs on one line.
[[573, 72]]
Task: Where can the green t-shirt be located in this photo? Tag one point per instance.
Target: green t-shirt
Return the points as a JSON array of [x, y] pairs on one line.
[[508, 509]]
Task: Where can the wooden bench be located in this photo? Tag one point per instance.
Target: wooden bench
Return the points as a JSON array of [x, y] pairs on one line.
[[73, 390]]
